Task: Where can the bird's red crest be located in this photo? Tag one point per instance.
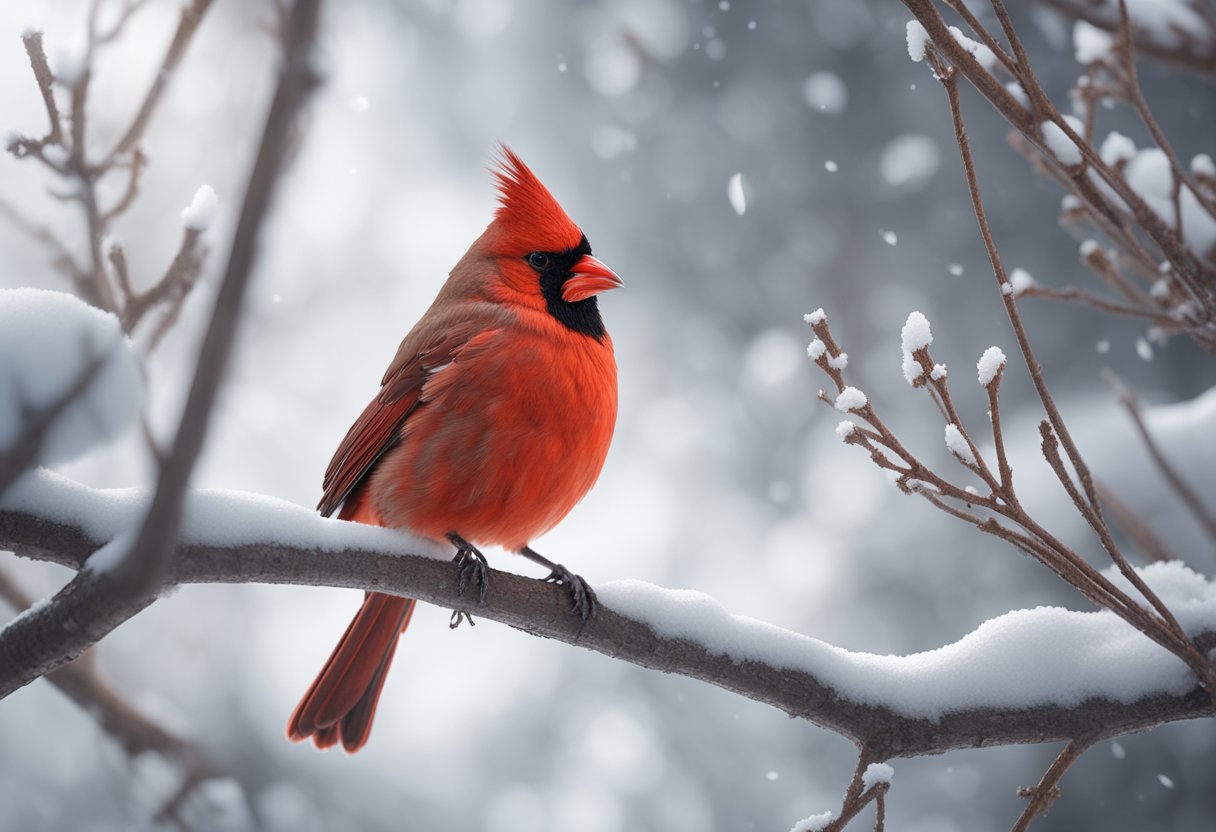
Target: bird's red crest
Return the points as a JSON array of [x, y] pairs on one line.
[[527, 212]]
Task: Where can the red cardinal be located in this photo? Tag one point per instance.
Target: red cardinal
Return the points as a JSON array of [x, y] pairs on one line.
[[491, 423]]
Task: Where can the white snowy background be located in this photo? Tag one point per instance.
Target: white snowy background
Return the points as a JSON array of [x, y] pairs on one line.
[[761, 160]]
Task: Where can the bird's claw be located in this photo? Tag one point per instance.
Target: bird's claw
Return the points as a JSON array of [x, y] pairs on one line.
[[471, 565], [582, 597], [459, 617]]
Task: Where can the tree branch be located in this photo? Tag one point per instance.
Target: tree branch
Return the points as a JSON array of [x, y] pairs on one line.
[[37, 423], [1131, 403], [859, 795], [1186, 53], [83, 683], [95, 602], [192, 16], [1047, 791], [540, 609]]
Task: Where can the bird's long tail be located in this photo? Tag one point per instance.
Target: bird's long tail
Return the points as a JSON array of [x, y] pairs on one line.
[[341, 702]]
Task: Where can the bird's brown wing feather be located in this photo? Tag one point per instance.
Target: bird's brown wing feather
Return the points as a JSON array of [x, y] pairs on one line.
[[432, 344]]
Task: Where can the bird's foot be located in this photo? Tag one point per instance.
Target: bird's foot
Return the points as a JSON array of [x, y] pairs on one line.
[[472, 567], [582, 596]]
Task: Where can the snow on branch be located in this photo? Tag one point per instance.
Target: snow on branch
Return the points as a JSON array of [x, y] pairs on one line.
[[97, 600], [997, 510], [1027, 676], [73, 382], [1179, 33], [1158, 213]]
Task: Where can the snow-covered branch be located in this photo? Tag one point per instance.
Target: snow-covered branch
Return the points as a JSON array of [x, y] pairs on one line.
[[97, 600], [1158, 214], [1026, 677], [1178, 33]]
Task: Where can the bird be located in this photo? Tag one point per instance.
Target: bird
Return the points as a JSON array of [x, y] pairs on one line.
[[493, 420]]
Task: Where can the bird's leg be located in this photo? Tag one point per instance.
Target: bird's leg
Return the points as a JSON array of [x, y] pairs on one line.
[[582, 596], [472, 566]]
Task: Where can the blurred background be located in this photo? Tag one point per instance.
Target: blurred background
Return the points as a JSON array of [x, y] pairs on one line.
[[725, 475]]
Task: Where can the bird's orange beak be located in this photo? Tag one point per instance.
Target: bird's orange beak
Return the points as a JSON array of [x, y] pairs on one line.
[[589, 277]]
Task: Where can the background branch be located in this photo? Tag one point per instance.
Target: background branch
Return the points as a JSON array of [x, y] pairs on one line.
[[1188, 495], [95, 602], [82, 682], [1187, 53]]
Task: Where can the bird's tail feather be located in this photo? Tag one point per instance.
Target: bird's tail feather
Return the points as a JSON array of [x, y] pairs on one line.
[[341, 703]]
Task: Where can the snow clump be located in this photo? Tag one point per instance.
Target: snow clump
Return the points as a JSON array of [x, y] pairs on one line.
[[851, 399], [49, 341], [200, 213], [957, 444], [990, 363], [915, 335]]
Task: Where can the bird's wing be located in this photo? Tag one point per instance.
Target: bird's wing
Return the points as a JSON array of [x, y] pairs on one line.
[[429, 348]]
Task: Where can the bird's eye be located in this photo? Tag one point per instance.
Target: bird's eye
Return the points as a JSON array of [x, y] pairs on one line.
[[537, 260]]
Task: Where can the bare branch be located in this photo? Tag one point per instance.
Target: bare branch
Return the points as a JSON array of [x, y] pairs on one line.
[[1149, 543], [1072, 293], [64, 261], [1048, 789], [129, 9], [192, 16], [171, 289], [82, 682], [136, 167], [81, 176], [118, 259], [42, 74], [857, 797], [1131, 403]]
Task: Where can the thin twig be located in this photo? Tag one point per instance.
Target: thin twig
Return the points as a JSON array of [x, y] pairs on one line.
[[1072, 293], [92, 281], [1191, 273], [1125, 51], [130, 8], [42, 74], [1047, 791], [136, 167], [914, 477], [82, 682], [172, 288], [1131, 403], [1090, 506], [1154, 549], [64, 261], [192, 16], [857, 796], [1184, 53]]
